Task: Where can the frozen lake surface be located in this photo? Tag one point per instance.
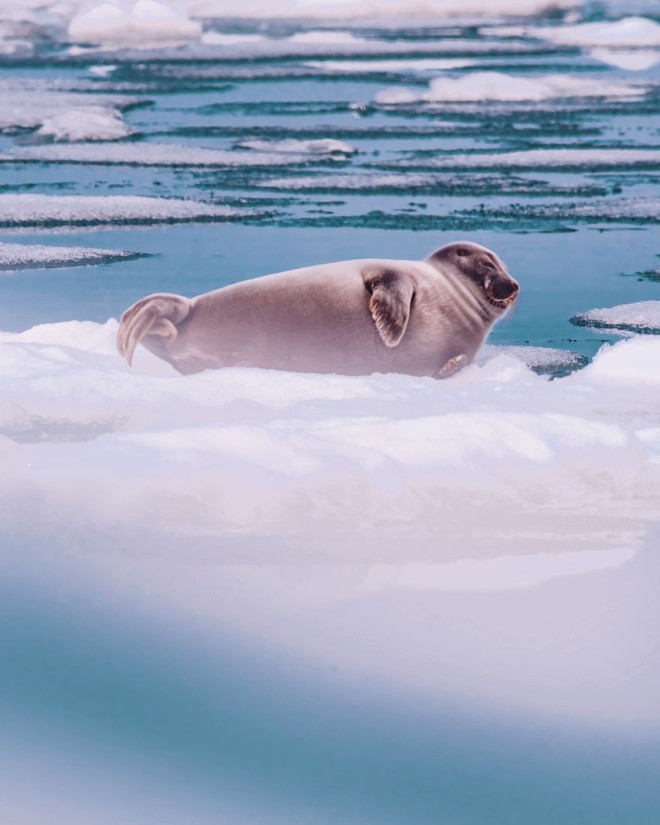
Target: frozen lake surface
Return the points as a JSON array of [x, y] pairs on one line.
[[258, 597]]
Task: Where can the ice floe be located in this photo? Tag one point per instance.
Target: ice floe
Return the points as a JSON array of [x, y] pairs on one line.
[[320, 146], [409, 66], [155, 154], [637, 60], [643, 317], [630, 31], [134, 23], [604, 158], [86, 123], [479, 86], [82, 210], [15, 256]]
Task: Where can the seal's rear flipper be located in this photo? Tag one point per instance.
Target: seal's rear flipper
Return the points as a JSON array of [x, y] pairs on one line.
[[154, 315], [391, 296]]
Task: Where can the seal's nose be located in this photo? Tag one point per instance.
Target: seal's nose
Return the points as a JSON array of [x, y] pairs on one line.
[[504, 288]]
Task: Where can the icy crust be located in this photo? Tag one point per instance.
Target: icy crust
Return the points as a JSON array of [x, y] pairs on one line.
[[639, 317], [134, 23], [15, 256], [64, 210], [541, 360], [479, 86], [86, 123], [282, 454], [160, 154]]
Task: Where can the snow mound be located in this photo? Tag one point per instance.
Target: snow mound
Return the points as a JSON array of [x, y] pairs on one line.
[[86, 123], [150, 154], [630, 31], [641, 317], [321, 146], [84, 210], [480, 86], [542, 360], [143, 23], [30, 256]]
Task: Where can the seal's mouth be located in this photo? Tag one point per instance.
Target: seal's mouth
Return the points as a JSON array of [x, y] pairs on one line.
[[507, 292]]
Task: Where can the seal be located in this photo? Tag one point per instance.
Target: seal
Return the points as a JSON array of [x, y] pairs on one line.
[[425, 318]]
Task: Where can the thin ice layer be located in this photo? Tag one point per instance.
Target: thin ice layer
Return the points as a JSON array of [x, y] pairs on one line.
[[62, 210]]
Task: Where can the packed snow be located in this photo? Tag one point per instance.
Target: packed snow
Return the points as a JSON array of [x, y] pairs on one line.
[[86, 123], [35, 256], [498, 86], [89, 210], [643, 316]]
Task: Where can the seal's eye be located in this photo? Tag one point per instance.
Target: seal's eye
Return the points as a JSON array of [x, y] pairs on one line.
[[489, 265]]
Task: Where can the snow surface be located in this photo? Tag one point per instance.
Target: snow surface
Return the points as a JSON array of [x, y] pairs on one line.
[[643, 316], [541, 159], [86, 123], [479, 86], [62, 210], [23, 256], [154, 154]]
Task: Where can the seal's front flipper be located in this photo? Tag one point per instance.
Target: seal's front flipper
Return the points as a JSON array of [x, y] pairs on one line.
[[452, 366], [391, 296], [154, 315]]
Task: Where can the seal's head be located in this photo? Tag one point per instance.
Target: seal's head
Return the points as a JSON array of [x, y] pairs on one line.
[[479, 267]]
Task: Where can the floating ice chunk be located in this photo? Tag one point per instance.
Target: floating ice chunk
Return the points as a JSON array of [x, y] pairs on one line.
[[640, 317], [542, 360], [411, 66], [630, 31], [151, 154], [104, 70], [321, 146], [142, 23], [498, 86], [612, 209], [83, 210], [638, 60], [86, 123], [23, 256], [325, 36], [214, 38]]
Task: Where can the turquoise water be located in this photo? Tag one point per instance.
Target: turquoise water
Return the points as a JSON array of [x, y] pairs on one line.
[[117, 704]]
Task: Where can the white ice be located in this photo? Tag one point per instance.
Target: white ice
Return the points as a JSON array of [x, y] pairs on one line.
[[410, 65], [644, 315], [86, 123], [62, 210], [543, 159], [479, 86]]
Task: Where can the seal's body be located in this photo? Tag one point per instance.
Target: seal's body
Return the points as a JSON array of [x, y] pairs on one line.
[[353, 317]]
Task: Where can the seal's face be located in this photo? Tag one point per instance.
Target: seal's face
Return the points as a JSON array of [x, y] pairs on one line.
[[482, 268]]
